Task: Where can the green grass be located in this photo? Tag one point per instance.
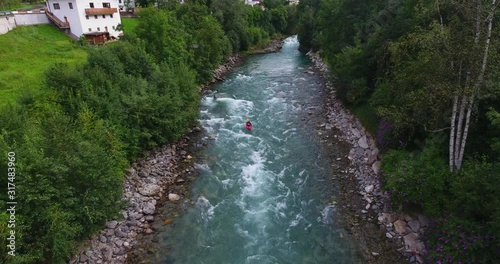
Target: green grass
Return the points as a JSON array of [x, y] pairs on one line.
[[20, 6], [26, 52], [367, 116], [129, 24]]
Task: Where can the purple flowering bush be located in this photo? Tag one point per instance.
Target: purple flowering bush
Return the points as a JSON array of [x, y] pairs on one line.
[[465, 205], [453, 239]]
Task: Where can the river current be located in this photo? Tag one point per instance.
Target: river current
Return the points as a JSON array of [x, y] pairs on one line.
[[262, 196]]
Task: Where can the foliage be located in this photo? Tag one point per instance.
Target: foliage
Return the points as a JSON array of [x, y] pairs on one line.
[[418, 178], [233, 18]]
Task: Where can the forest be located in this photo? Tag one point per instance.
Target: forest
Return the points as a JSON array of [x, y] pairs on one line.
[[74, 140], [423, 77]]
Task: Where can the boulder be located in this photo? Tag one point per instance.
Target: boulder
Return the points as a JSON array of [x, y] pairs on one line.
[[148, 209], [400, 227], [362, 142], [412, 243], [111, 224], [387, 218], [173, 197], [150, 190], [414, 225], [120, 233], [83, 258], [369, 188], [376, 167]]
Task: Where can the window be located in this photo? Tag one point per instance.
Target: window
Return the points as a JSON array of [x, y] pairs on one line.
[[106, 28], [91, 5], [90, 30], [70, 5], [95, 16], [98, 29], [106, 5], [120, 1], [103, 16], [56, 6], [111, 15], [113, 27], [87, 17]]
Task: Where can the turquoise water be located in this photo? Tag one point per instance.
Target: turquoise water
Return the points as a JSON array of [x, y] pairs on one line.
[[262, 196]]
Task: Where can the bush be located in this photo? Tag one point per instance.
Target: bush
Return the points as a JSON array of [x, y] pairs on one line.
[[419, 178]]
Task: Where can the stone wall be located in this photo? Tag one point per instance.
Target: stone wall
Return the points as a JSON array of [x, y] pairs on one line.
[[10, 20], [7, 23], [30, 18]]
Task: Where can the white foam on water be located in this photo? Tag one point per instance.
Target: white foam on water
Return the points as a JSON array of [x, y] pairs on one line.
[[227, 183], [202, 167], [261, 259], [243, 77], [253, 176], [327, 214], [289, 130], [237, 105], [207, 209]]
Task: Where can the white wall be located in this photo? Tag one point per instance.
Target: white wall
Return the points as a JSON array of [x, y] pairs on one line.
[[7, 23], [31, 19]]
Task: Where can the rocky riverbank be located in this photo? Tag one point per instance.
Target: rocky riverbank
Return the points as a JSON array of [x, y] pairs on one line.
[[381, 231]]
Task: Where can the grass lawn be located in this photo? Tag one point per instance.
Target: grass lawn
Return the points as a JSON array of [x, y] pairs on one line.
[[26, 52], [129, 23]]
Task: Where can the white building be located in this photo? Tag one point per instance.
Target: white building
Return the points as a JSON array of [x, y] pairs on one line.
[[85, 16]]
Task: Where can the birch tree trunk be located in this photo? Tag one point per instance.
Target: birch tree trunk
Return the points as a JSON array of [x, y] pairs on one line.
[[468, 101], [452, 133], [478, 83]]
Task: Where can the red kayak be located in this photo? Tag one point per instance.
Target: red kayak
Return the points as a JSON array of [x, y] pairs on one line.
[[248, 125]]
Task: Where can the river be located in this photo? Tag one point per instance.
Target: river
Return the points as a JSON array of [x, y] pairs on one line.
[[261, 196]]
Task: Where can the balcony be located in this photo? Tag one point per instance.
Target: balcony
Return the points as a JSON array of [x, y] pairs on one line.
[[100, 11]]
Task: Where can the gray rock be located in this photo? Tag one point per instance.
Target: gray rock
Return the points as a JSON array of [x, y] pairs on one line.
[[103, 239], [388, 235], [150, 218], [83, 258], [376, 167], [387, 218], [135, 216], [107, 253], [369, 188], [412, 243], [355, 132], [111, 224], [173, 197], [150, 190], [362, 142], [149, 208], [414, 225], [120, 233], [400, 227], [119, 243]]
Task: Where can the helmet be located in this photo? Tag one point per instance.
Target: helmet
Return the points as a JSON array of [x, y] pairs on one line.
[[248, 119]]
